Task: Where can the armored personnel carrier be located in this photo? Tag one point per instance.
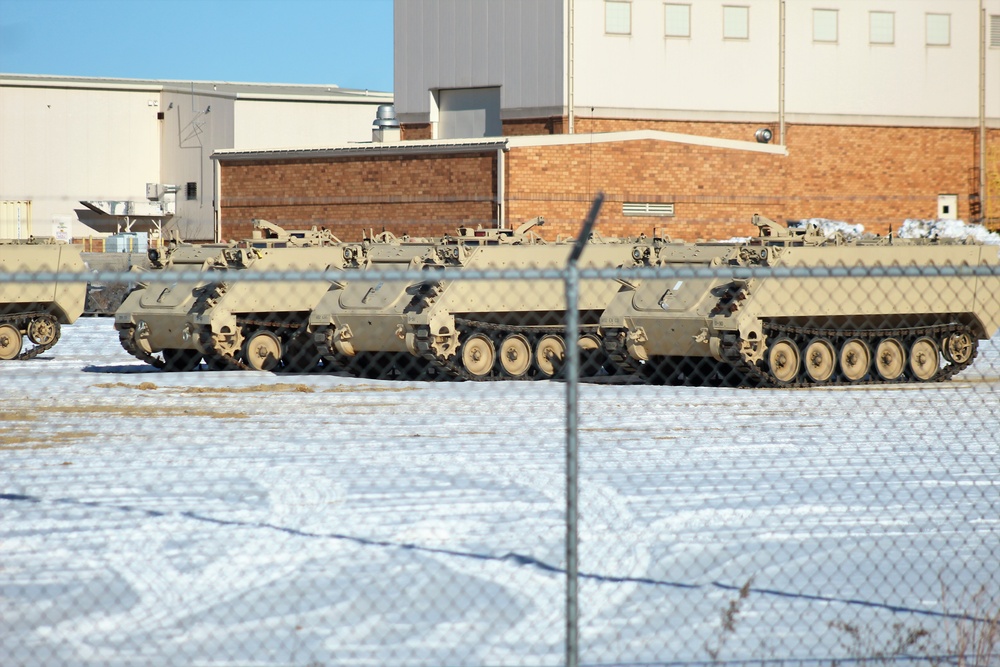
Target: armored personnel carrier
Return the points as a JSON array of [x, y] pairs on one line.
[[715, 321], [36, 310], [471, 329], [233, 323]]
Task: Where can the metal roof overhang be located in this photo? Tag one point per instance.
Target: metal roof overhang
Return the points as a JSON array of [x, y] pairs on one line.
[[432, 147], [452, 146]]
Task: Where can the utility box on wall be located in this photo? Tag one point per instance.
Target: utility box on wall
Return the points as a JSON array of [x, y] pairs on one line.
[[947, 208]]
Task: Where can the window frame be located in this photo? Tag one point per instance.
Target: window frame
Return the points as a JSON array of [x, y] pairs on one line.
[[818, 12], [927, 28], [686, 6], [746, 23], [608, 4], [892, 28]]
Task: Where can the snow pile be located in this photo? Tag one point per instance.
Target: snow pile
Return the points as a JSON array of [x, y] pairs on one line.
[[947, 229], [831, 227], [910, 229], [828, 227]]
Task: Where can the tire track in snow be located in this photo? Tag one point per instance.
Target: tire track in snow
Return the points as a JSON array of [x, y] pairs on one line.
[[510, 557]]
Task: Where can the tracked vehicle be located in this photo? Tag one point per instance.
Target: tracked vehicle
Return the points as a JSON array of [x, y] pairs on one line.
[[255, 325], [35, 311], [714, 321], [470, 329]]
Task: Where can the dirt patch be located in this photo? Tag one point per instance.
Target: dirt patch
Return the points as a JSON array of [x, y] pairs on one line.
[[348, 389], [142, 386], [139, 412], [255, 389], [20, 438]]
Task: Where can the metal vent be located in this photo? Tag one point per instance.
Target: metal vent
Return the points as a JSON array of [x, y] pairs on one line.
[[648, 209], [995, 30]]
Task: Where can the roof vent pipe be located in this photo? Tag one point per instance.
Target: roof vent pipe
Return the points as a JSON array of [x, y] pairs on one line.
[[386, 125]]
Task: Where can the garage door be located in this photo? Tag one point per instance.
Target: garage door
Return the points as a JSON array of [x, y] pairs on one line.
[[468, 113]]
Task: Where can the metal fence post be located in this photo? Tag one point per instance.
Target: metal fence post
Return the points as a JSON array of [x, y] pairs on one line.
[[572, 444]]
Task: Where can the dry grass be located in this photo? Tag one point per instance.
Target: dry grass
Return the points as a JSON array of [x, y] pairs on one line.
[[975, 640], [971, 637], [868, 646], [728, 617]]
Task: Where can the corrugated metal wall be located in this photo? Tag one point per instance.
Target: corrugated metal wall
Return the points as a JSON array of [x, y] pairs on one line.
[[15, 219]]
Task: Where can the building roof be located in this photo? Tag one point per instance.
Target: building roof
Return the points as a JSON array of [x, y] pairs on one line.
[[225, 89], [440, 146]]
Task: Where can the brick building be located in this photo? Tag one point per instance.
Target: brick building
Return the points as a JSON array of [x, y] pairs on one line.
[[432, 187], [515, 108]]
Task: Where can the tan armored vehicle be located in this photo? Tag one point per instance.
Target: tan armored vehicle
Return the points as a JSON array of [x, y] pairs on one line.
[[843, 326], [471, 329], [257, 325], [37, 309]]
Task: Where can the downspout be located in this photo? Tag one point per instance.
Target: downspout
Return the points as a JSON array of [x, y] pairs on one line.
[[569, 73], [781, 72], [501, 186], [217, 202], [982, 111]]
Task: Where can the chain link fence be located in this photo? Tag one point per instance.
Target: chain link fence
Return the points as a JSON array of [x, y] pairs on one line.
[[418, 452]]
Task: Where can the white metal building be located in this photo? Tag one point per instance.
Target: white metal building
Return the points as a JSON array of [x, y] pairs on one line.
[[466, 65], [141, 150]]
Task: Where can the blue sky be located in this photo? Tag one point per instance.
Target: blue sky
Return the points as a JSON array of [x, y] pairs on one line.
[[342, 42]]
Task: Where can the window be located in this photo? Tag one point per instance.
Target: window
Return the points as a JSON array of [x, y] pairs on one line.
[[881, 27], [995, 30], [192, 190], [938, 29], [617, 17], [825, 25], [676, 20], [735, 22]]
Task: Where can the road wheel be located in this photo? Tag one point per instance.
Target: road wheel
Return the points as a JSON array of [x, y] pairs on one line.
[[820, 360], [515, 355], [550, 354], [10, 342], [890, 359], [262, 351], [592, 355], [925, 360], [478, 355], [855, 359], [783, 360]]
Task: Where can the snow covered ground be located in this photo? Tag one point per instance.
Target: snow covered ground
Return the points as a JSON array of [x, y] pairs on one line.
[[248, 518]]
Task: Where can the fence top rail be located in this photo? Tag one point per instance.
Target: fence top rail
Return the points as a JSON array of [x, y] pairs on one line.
[[557, 274]]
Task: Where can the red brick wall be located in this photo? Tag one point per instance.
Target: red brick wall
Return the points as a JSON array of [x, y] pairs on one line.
[[875, 176], [736, 131], [415, 131], [715, 191], [534, 126], [416, 195]]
